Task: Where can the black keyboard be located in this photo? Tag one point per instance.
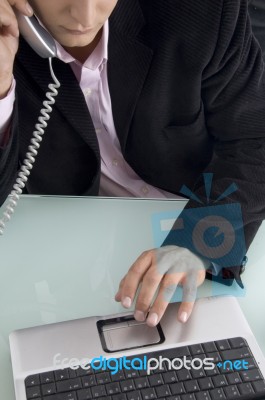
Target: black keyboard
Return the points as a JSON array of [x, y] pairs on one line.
[[165, 384]]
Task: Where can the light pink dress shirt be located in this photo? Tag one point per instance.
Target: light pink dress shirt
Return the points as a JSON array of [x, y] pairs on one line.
[[117, 177]]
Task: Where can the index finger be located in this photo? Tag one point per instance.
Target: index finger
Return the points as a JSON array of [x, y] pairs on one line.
[[21, 5], [135, 275]]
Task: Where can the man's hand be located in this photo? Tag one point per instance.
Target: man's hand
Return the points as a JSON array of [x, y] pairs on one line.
[[162, 270], [9, 39]]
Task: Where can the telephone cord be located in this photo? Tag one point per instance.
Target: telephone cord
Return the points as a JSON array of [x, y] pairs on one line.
[[30, 158]]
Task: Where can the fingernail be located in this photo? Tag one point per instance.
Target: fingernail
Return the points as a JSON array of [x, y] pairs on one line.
[[152, 319], [127, 302], [139, 316], [183, 317], [29, 9]]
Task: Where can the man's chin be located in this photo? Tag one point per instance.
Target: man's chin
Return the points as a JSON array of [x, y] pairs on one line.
[[76, 42]]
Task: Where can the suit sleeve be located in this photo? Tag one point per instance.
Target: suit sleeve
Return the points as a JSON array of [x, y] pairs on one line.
[[257, 16], [9, 159], [233, 97]]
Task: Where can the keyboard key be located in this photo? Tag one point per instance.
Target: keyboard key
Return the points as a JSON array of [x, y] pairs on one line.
[[209, 347], [219, 381], [217, 394], [163, 391], [121, 375], [127, 385], [120, 396], [245, 388], [202, 396], [212, 372], [196, 349], [215, 356], [88, 381], [142, 372], [233, 378], [135, 395], [84, 371], [32, 380], [176, 352], [148, 394], [237, 342], [236, 354], [99, 391], [222, 345], [259, 386], [112, 388], [84, 394], [174, 398], [251, 363], [141, 383], [197, 373], [72, 373], [69, 385], [169, 377], [130, 373], [100, 398], [48, 388], [61, 374], [189, 396], [191, 386], [205, 383], [155, 380], [177, 388], [183, 375], [162, 370], [63, 396], [47, 377], [33, 392], [232, 392], [252, 375], [225, 368], [103, 377]]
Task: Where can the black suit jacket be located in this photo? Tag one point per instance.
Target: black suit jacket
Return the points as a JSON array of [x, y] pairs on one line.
[[257, 16], [187, 86]]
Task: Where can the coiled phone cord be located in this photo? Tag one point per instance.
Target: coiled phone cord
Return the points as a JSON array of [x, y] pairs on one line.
[[29, 160]]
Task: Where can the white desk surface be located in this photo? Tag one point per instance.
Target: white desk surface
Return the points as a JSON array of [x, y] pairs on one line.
[[62, 258]]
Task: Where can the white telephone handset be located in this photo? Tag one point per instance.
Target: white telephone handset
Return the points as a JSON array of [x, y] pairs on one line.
[[44, 45], [36, 36]]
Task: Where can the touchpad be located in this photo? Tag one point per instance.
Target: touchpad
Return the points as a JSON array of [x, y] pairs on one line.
[[125, 333]]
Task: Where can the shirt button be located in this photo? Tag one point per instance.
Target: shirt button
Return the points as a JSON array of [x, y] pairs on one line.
[[115, 162], [98, 130], [145, 190], [87, 91]]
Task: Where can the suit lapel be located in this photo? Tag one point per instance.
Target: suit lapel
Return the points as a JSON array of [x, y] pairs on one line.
[[128, 64], [70, 100]]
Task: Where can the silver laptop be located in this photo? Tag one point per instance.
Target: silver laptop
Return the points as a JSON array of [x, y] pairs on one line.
[[213, 356]]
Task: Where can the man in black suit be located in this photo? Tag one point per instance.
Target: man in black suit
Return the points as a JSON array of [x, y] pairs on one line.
[[187, 89]]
